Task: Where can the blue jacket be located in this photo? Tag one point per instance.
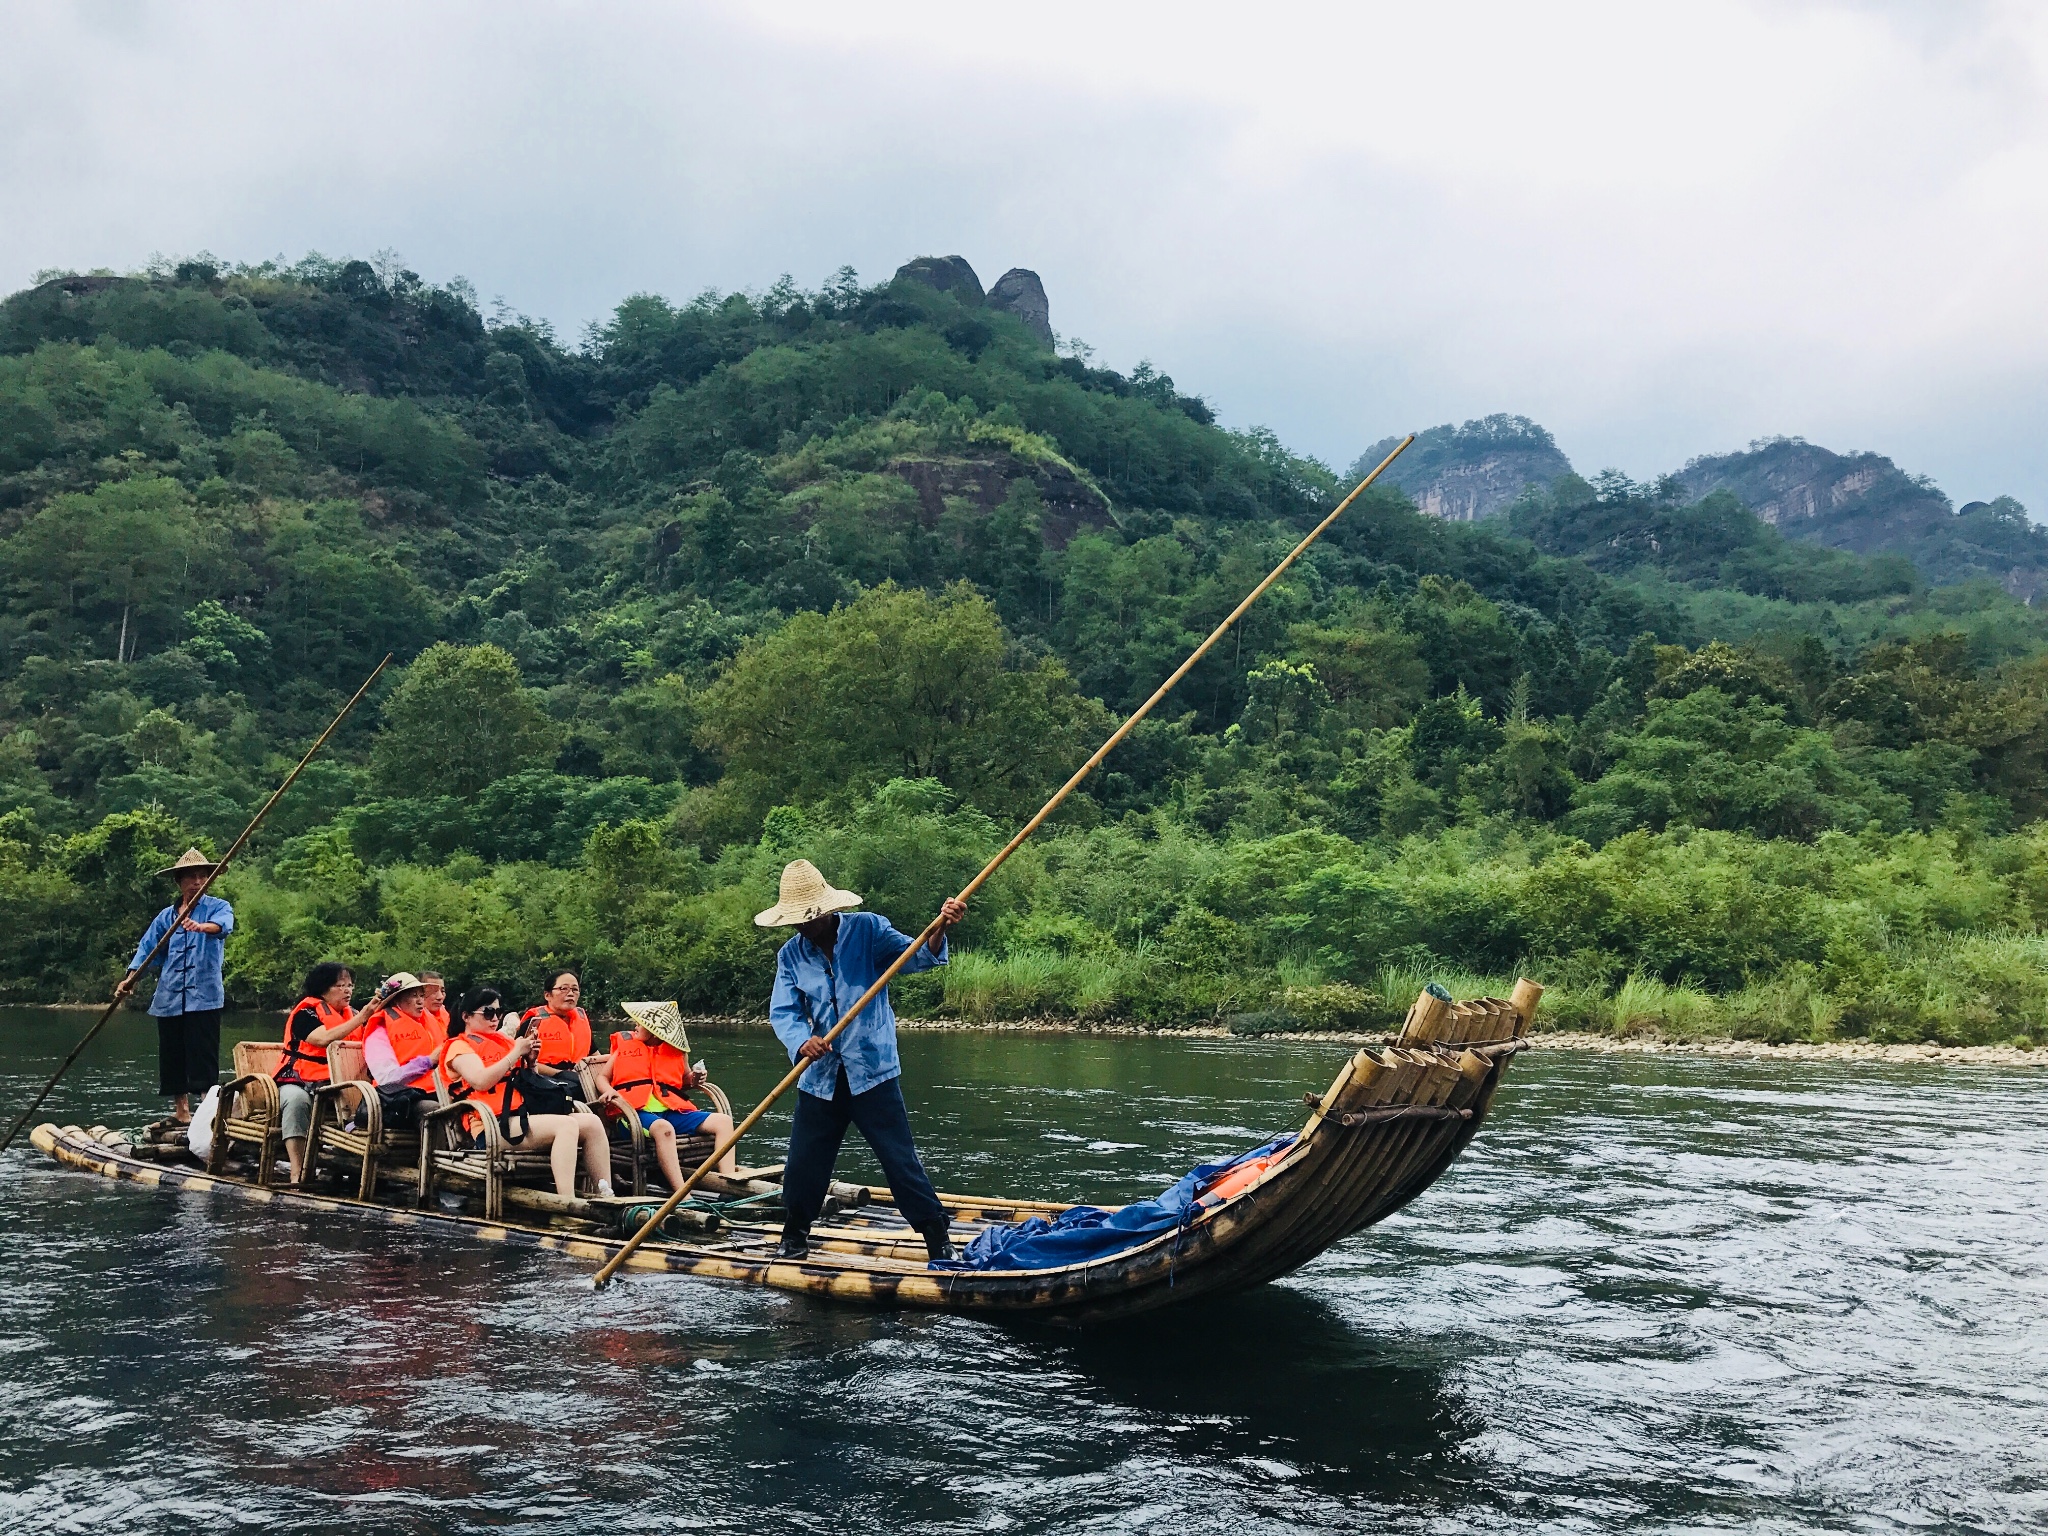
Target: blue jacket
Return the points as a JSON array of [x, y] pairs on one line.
[[190, 981], [811, 993]]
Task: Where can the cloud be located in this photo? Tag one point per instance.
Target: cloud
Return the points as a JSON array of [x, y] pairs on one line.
[[1661, 230]]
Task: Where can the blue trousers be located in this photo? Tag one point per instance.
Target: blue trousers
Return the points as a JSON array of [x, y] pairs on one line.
[[816, 1131]]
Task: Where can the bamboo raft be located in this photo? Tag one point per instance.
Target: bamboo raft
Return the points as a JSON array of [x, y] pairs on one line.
[[1388, 1126]]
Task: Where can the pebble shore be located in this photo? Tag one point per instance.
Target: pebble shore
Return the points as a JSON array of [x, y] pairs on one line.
[[1563, 1040]]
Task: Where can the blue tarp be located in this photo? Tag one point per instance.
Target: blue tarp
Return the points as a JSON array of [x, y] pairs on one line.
[[1088, 1232]]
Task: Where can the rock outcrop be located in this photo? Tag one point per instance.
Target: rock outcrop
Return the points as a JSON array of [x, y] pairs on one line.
[[1070, 504], [1849, 500], [1866, 503], [1470, 472], [948, 274], [1019, 292]]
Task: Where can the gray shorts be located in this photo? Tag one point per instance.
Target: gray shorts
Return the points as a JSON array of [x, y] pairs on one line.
[[297, 1105]]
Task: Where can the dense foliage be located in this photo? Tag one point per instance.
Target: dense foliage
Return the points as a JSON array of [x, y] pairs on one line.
[[860, 574]]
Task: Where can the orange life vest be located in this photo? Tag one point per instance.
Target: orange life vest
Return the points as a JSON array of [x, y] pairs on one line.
[[410, 1037], [1241, 1178], [641, 1069], [563, 1042], [308, 1063], [440, 1018], [490, 1048]]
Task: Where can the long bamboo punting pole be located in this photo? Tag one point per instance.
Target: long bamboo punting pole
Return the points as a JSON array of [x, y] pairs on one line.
[[731, 1137], [121, 992]]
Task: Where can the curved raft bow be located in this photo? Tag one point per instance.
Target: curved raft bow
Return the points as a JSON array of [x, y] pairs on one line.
[[1389, 1124]]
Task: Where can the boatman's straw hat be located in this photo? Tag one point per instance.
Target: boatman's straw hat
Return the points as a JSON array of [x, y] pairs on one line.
[[191, 861], [805, 897], [664, 1021]]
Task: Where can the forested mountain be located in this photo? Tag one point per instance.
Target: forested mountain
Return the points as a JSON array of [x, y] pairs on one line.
[[1866, 503], [1860, 502], [1471, 472], [861, 573]]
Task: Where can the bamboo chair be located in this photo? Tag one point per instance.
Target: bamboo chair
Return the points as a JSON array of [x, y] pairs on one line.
[[251, 1113], [462, 1142], [348, 1123]]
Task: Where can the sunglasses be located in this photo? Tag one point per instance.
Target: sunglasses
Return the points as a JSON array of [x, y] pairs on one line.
[[491, 1013]]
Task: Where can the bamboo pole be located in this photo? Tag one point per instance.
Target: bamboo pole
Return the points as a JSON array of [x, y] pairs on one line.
[[127, 984], [731, 1137]]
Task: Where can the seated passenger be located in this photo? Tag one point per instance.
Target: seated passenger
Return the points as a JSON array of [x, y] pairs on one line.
[[648, 1075], [400, 1043], [436, 991], [564, 1032], [317, 1020], [480, 1064]]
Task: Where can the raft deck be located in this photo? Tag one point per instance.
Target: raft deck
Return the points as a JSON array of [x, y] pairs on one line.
[[1390, 1123]]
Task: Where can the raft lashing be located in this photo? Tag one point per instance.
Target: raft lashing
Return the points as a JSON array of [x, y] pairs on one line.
[[1388, 1126]]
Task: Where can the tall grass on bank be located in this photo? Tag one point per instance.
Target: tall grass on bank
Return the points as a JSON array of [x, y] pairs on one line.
[[1035, 982], [1955, 989], [1891, 937]]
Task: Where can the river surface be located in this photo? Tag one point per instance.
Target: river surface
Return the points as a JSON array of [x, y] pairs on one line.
[[1657, 1294]]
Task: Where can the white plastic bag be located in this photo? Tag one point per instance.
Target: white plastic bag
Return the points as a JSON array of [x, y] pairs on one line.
[[200, 1136]]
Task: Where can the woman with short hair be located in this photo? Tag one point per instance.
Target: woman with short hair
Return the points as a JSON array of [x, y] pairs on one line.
[[320, 1018], [563, 1030]]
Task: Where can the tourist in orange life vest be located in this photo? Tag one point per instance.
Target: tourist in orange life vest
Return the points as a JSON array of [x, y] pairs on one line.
[[319, 1019], [437, 1000], [563, 1030], [481, 1065], [648, 1074], [399, 1046]]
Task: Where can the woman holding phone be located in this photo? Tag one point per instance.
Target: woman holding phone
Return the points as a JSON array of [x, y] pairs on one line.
[[483, 1065]]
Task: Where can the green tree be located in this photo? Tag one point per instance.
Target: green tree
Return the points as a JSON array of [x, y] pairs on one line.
[[461, 718], [898, 684], [118, 565]]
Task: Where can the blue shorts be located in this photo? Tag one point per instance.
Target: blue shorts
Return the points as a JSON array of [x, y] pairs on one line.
[[685, 1124]]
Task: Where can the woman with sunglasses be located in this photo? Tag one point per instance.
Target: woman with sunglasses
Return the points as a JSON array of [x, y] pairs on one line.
[[481, 1064]]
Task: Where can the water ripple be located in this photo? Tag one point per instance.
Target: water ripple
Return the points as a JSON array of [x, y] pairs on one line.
[[1656, 1294]]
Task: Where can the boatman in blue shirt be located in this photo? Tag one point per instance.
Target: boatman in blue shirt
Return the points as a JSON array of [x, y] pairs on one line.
[[835, 957], [189, 992]]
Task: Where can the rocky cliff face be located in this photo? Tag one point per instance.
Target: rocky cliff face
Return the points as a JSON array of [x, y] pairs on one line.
[[1017, 292], [948, 274], [1020, 293], [1070, 505], [1852, 500], [1470, 472], [1866, 503]]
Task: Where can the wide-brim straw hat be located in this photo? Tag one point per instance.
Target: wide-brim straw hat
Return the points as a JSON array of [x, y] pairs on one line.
[[191, 861], [398, 983], [805, 897], [664, 1021]]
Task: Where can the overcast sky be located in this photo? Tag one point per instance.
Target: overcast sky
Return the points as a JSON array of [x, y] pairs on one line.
[[1660, 230]]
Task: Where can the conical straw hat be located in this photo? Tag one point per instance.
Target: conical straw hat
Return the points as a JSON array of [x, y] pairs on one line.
[[804, 897], [664, 1021], [191, 859]]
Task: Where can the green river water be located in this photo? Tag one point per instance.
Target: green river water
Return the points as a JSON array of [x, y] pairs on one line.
[[1658, 1293]]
